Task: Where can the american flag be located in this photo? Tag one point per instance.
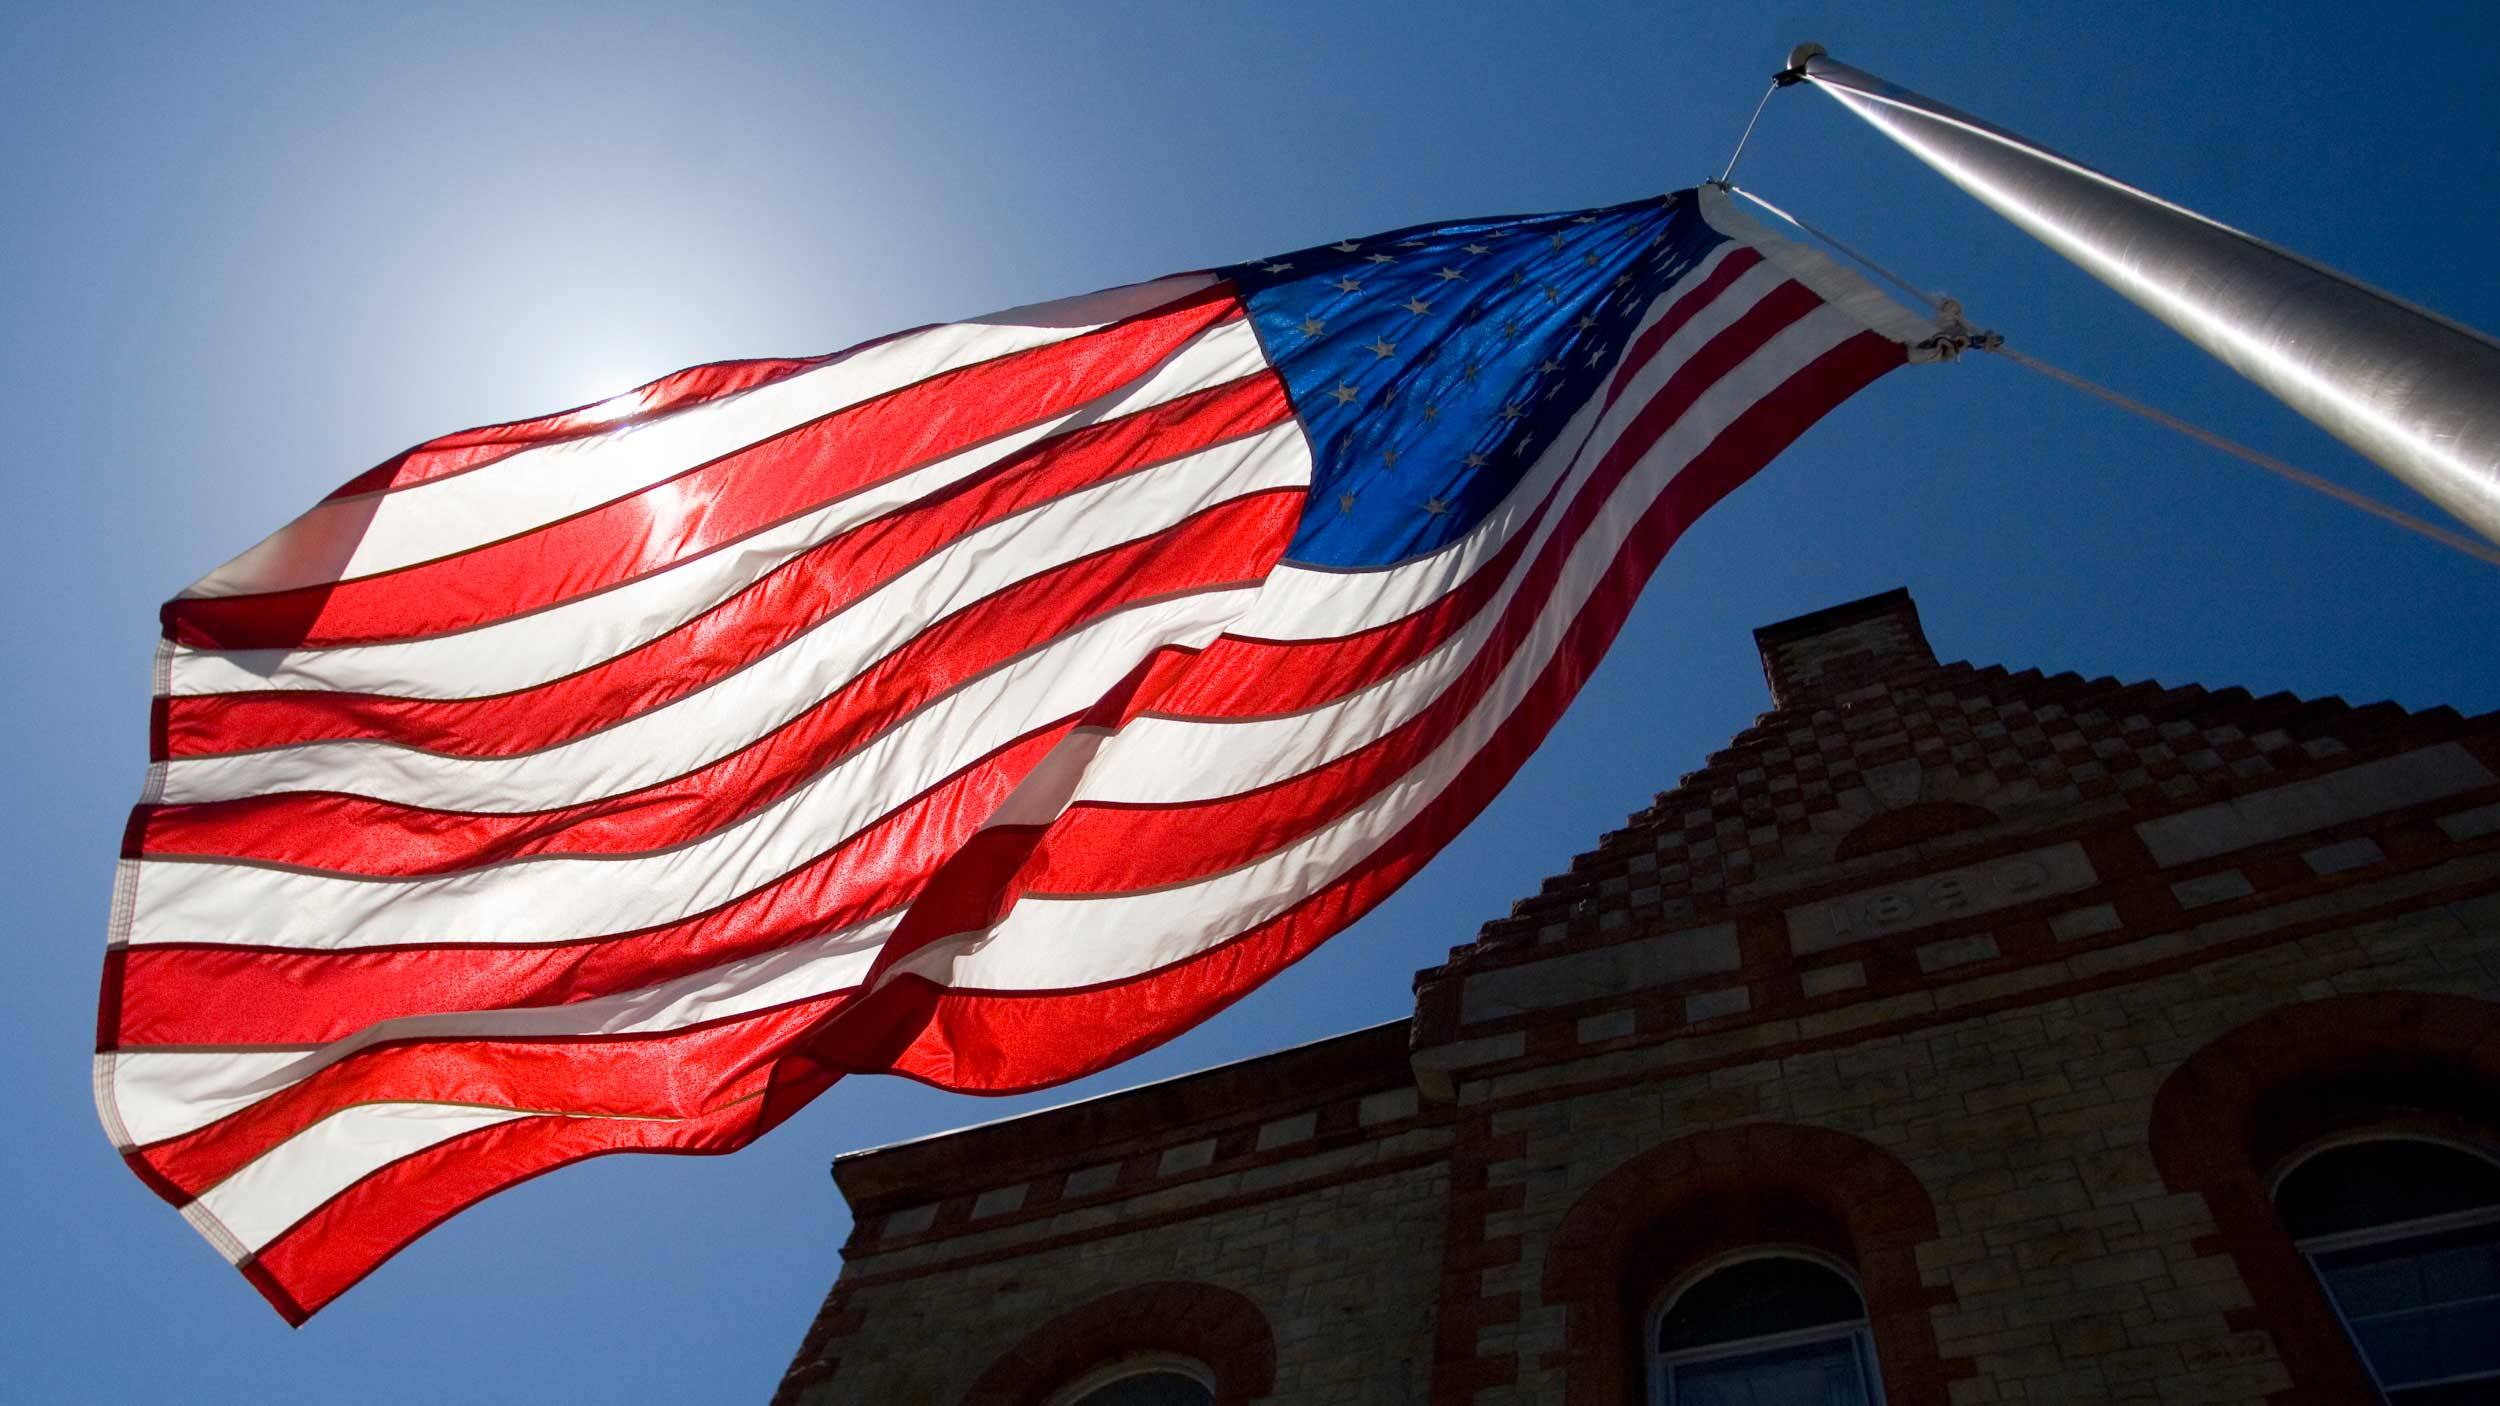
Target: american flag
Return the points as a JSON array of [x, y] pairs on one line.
[[984, 704]]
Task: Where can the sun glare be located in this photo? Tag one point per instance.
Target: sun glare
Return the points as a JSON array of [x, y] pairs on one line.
[[615, 407]]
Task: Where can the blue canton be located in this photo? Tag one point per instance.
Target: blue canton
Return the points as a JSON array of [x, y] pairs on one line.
[[1431, 366]]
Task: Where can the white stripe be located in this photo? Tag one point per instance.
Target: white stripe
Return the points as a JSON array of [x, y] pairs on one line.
[[164, 1093], [1837, 286], [353, 537], [536, 647], [713, 722], [258, 1203], [561, 899]]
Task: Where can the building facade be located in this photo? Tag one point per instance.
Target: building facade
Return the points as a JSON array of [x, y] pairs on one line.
[[1954, 1035]]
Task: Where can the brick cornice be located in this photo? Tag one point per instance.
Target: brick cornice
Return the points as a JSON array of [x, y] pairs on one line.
[[1112, 1125]]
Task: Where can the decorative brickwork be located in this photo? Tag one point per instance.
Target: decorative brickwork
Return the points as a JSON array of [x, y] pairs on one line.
[[1680, 1205], [2007, 990]]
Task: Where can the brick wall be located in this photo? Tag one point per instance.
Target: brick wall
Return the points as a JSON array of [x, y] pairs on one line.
[[2062, 1265], [1342, 1273], [1991, 985]]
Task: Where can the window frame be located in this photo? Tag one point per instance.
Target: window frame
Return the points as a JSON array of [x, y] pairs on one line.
[[2311, 1247], [1135, 1364], [1658, 1365]]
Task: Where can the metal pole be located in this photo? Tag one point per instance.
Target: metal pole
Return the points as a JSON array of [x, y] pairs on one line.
[[2415, 393]]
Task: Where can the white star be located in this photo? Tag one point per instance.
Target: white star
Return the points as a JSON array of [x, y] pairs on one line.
[[1416, 306], [1451, 275], [1381, 258], [1548, 366], [1346, 285], [1555, 240], [1346, 247], [1552, 293], [1585, 220], [1477, 461], [1622, 279], [1478, 248], [1345, 502], [1586, 323], [1410, 244], [1435, 506], [1589, 258], [1312, 327], [1432, 412], [1511, 328], [1597, 356], [1469, 374], [1277, 267], [1344, 393], [1389, 457], [1512, 411], [1382, 347]]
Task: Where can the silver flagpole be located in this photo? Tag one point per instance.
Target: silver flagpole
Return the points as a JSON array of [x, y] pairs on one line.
[[2414, 392]]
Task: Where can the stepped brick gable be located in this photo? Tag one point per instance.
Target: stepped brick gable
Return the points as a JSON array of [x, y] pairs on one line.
[[2040, 1010]]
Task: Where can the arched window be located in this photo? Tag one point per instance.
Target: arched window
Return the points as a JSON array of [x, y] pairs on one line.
[[1771, 1328], [1147, 1379], [2404, 1234]]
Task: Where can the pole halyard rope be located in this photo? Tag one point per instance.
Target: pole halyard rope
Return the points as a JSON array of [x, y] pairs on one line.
[[2481, 551], [1959, 335], [1733, 156]]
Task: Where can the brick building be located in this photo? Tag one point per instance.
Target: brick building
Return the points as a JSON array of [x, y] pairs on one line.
[[1955, 1034]]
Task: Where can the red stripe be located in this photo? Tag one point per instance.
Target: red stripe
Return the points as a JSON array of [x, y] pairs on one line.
[[794, 597], [448, 455], [667, 1074], [708, 506], [1231, 544], [327, 1252], [198, 995], [999, 1043]]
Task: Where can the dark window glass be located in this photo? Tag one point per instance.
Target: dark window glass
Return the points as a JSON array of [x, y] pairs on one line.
[[1150, 1389], [2382, 1183], [1756, 1299], [2425, 1308], [2420, 1296], [1825, 1373]]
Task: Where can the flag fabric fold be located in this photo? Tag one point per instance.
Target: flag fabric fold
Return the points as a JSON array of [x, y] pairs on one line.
[[984, 704]]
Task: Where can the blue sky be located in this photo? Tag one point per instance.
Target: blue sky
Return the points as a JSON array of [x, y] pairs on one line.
[[252, 252]]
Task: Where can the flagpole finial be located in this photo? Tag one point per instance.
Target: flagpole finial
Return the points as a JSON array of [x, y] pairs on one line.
[[1798, 58]]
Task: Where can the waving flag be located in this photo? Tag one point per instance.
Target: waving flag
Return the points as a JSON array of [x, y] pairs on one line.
[[984, 704]]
